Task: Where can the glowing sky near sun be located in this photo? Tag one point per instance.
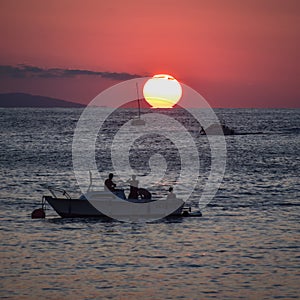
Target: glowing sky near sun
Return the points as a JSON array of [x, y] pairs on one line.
[[235, 53]]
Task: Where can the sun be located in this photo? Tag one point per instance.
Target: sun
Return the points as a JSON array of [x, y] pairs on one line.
[[162, 91]]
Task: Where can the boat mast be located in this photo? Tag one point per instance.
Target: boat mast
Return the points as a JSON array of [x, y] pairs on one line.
[[138, 100]]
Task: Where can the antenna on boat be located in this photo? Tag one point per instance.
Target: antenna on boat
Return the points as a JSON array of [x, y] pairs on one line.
[[138, 99], [138, 121], [91, 180]]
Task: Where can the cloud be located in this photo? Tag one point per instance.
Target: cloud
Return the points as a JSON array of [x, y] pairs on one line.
[[26, 71]]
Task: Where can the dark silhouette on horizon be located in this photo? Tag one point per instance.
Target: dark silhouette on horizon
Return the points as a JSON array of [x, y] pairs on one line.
[[28, 100]]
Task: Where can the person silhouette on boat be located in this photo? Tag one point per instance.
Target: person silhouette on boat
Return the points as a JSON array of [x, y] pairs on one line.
[[109, 185], [144, 194], [134, 187], [171, 194]]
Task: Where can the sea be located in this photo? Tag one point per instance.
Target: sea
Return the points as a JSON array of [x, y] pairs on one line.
[[246, 245]]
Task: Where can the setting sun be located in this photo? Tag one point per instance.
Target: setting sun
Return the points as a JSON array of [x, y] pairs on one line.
[[162, 91]]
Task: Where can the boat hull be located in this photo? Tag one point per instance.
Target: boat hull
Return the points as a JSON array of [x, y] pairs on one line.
[[74, 208], [83, 208]]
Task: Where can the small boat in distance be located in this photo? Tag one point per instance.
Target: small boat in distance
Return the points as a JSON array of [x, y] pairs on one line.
[[216, 129], [137, 121]]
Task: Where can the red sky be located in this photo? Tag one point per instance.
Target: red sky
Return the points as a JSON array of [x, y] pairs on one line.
[[236, 53]]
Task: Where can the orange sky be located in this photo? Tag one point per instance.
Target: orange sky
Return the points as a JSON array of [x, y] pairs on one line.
[[235, 53]]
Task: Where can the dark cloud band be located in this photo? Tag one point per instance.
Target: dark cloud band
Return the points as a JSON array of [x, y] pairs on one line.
[[26, 71]]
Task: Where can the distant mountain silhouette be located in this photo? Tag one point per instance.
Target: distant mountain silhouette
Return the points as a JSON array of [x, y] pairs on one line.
[[28, 100]]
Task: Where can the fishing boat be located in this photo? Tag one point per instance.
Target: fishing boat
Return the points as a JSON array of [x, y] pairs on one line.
[[97, 204]]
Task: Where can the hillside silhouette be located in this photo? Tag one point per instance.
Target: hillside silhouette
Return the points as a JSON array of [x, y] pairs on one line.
[[28, 100]]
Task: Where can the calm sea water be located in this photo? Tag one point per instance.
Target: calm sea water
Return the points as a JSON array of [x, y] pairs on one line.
[[246, 245]]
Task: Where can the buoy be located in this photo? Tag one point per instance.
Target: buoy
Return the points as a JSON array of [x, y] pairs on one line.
[[38, 214]]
